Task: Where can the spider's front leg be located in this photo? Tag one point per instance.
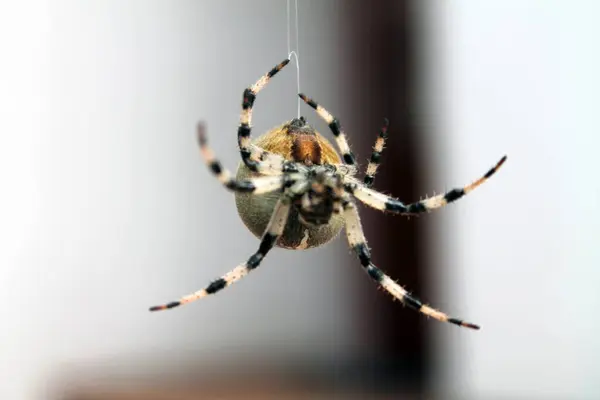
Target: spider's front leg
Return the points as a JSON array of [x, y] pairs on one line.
[[259, 185], [380, 201], [272, 233], [358, 243]]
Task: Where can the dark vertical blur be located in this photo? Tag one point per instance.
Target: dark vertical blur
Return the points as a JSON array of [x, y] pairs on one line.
[[379, 38]]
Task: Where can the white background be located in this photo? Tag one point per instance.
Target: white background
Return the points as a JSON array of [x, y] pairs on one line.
[[519, 255]]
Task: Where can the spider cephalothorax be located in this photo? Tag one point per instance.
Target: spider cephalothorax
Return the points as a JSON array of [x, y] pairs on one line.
[[294, 191]]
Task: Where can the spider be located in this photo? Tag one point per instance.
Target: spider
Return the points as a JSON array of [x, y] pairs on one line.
[[294, 191]]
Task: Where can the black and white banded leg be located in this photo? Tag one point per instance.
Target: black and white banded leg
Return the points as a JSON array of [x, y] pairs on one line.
[[358, 243], [253, 155], [336, 129], [273, 231], [382, 202], [375, 159], [259, 185]]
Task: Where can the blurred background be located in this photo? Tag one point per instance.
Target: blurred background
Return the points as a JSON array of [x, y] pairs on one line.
[[107, 208]]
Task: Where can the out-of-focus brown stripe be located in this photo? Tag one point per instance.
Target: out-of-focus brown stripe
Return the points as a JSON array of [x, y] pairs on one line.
[[378, 51]]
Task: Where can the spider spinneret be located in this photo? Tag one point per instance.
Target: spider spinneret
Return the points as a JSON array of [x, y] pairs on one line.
[[294, 191]]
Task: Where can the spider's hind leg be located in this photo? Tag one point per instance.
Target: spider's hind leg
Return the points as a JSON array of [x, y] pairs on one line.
[[358, 243], [272, 233]]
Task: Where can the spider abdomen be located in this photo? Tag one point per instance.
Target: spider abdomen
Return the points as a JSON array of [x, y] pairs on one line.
[[295, 141], [256, 211]]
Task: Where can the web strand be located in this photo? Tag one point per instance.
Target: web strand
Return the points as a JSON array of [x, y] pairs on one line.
[[296, 51]]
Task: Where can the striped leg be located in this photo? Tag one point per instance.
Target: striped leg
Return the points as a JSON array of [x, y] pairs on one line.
[[376, 155], [250, 156], [272, 233], [382, 202], [357, 241], [266, 163], [334, 125], [262, 184]]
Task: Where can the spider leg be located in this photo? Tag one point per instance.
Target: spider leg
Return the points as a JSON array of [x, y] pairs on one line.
[[273, 231], [266, 163], [358, 243], [345, 169], [375, 159], [259, 185], [382, 202], [251, 155], [336, 129]]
